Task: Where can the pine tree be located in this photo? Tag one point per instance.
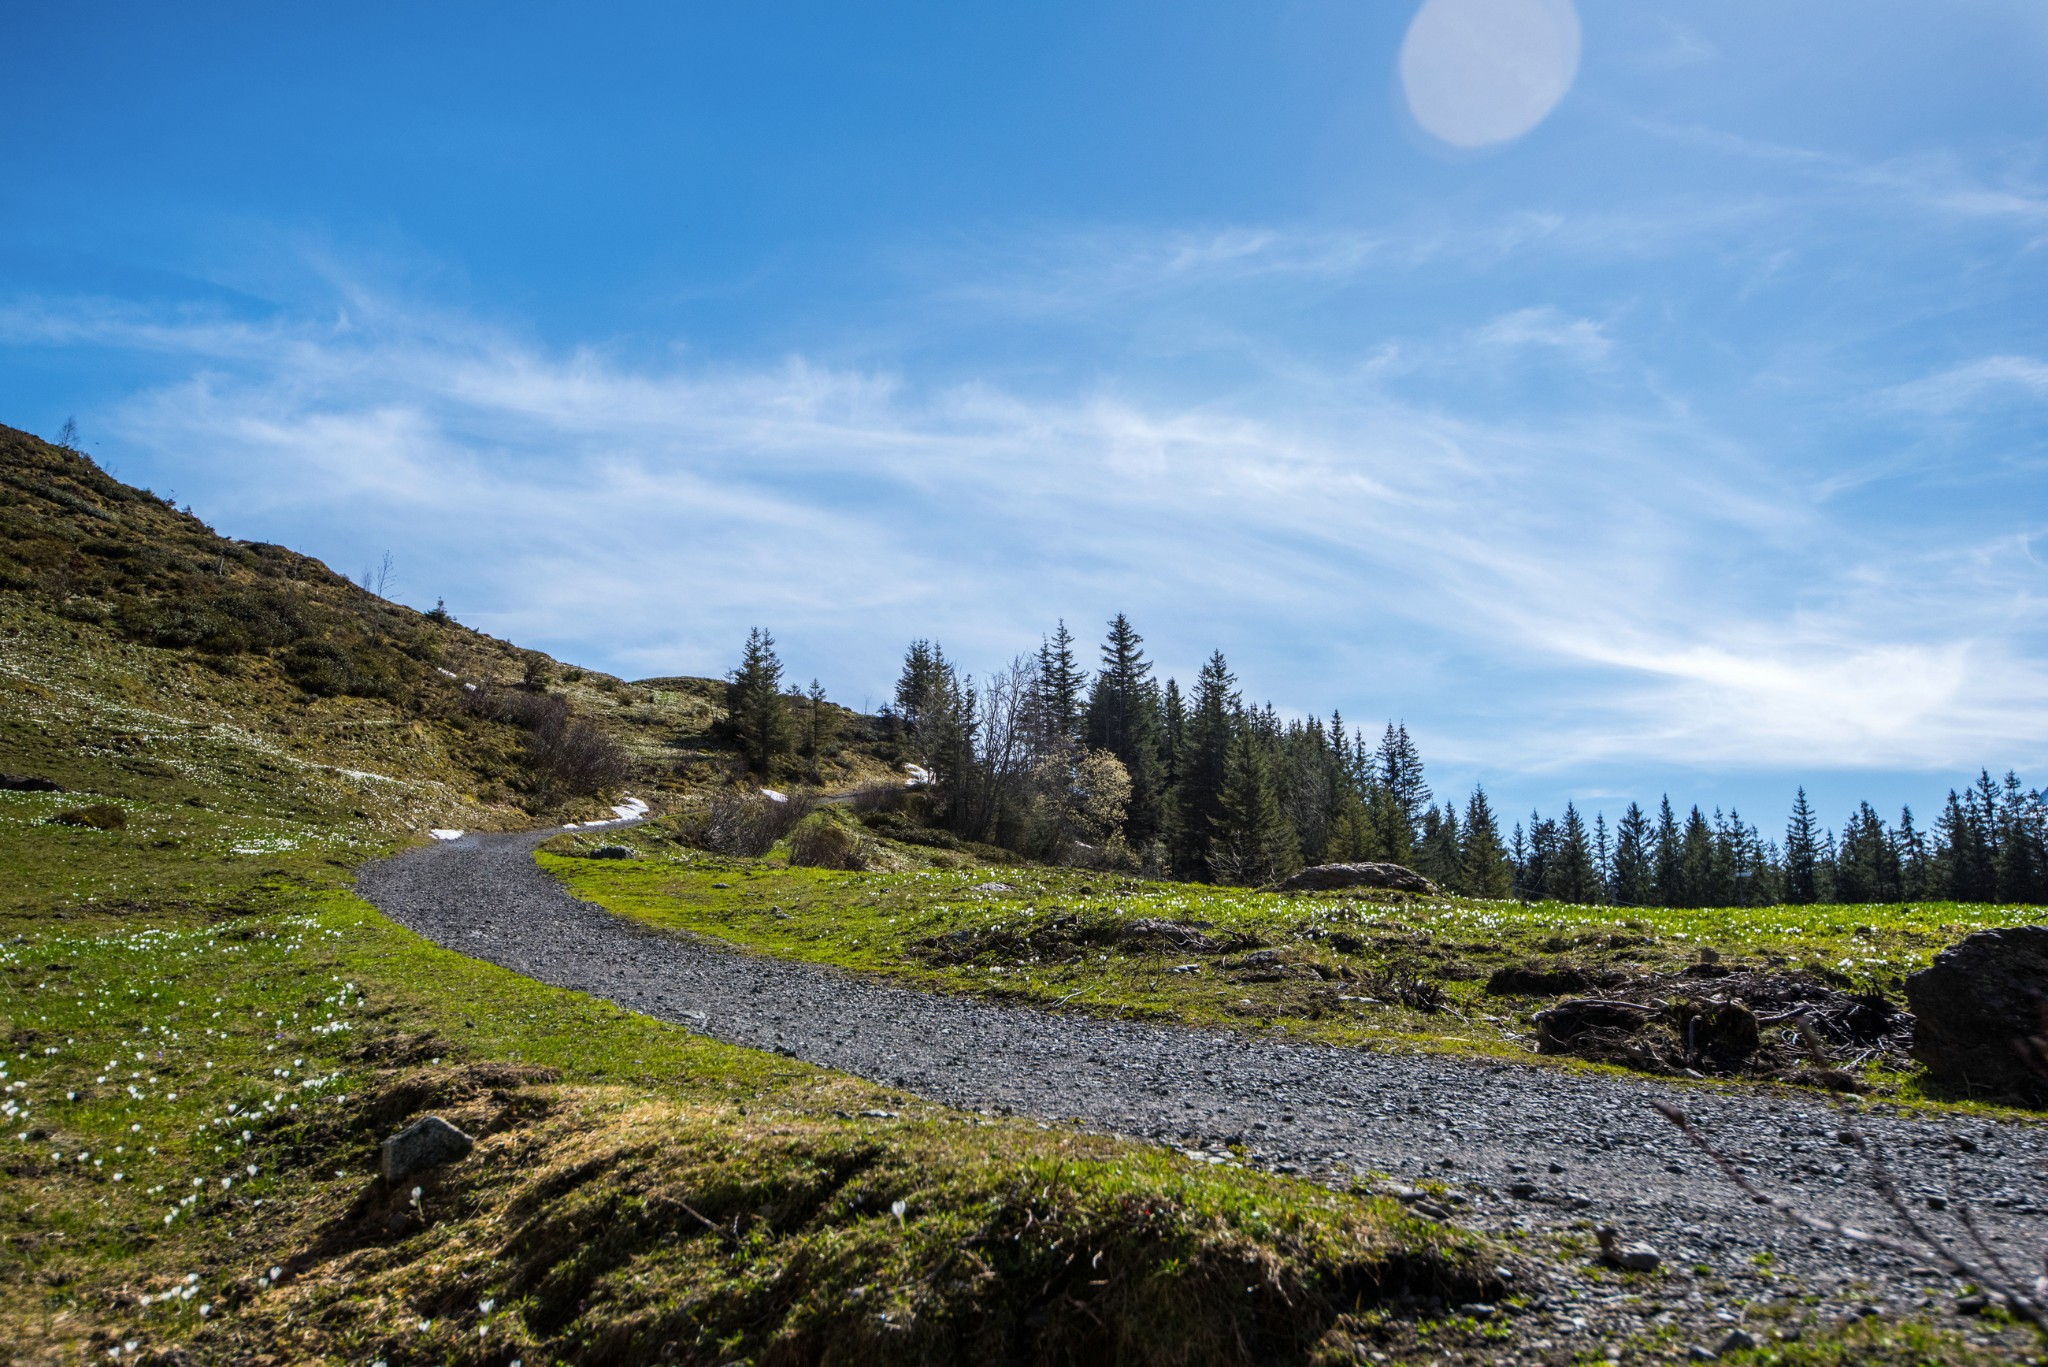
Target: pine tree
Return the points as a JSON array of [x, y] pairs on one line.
[[1486, 872], [1123, 718], [1635, 879], [1173, 720], [754, 705], [1211, 723], [1666, 875], [1868, 864], [1570, 876], [2020, 867], [1915, 870], [1058, 689], [1603, 857], [1965, 859], [1400, 772], [1438, 856], [818, 723], [1252, 843], [1696, 883], [1802, 854]]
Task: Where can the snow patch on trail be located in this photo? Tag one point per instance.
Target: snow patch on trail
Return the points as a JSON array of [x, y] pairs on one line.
[[774, 796], [442, 833]]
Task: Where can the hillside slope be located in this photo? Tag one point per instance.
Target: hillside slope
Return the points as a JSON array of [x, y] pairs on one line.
[[144, 656]]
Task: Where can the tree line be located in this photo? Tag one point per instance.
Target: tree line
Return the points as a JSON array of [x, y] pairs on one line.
[[1115, 767]]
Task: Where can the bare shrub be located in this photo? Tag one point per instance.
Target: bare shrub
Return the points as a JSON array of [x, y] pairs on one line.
[[872, 798], [2023, 1297], [574, 759], [566, 755], [821, 843], [742, 823]]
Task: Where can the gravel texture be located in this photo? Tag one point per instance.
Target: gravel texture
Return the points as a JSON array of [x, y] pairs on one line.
[[1533, 1148]]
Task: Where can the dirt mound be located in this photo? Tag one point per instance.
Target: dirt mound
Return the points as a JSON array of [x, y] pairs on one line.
[[1727, 1022], [1063, 937]]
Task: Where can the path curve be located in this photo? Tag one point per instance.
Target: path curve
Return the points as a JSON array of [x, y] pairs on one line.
[[1527, 1146]]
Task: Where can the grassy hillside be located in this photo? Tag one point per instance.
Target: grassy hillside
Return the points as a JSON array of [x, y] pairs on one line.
[[145, 656]]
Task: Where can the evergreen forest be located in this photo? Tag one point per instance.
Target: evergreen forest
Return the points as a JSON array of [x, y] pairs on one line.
[[1117, 768]]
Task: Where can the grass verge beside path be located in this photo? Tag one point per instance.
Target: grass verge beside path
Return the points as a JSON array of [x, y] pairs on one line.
[[1383, 970], [194, 1088]]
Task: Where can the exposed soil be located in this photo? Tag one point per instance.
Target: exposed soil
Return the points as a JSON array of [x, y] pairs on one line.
[[1714, 1020]]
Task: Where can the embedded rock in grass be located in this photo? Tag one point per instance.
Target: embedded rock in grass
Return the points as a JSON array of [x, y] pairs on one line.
[[426, 1143], [1982, 1014], [28, 783], [100, 817], [612, 852], [1331, 877]]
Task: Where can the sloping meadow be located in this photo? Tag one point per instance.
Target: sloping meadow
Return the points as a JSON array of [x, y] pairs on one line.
[[194, 1089]]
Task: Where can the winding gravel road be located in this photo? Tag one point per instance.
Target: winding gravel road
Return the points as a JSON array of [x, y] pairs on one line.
[[1521, 1146]]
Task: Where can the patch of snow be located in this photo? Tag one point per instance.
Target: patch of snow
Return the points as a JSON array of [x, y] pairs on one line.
[[364, 773], [919, 775], [444, 673], [471, 687], [774, 796], [629, 809], [442, 833]]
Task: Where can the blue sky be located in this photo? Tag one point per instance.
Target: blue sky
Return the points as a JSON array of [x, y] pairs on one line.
[[1631, 398]]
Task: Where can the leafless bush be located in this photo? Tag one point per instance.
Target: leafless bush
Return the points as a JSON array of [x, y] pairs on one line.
[[825, 844], [871, 798], [736, 822], [2024, 1299], [567, 756], [574, 759]]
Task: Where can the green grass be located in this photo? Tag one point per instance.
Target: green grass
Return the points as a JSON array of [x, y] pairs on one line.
[[1339, 961], [203, 1048]]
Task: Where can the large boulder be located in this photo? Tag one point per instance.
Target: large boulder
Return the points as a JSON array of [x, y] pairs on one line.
[[1332, 877], [1981, 1014]]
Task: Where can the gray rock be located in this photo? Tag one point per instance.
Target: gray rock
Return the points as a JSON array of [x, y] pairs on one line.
[[1735, 1342], [612, 852], [426, 1143], [1635, 1257], [1982, 1013], [28, 783], [1330, 877]]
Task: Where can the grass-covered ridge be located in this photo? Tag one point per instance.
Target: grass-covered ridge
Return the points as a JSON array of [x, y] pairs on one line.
[[1386, 970]]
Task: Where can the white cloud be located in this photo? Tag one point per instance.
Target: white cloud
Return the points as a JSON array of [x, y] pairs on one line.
[[1959, 386], [1617, 577]]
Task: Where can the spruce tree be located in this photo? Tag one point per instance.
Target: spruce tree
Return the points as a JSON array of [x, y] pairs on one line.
[[1635, 878], [1696, 884], [1802, 853], [1123, 718], [1057, 688], [1438, 856], [1665, 873], [1868, 865], [1915, 872], [2020, 868], [1400, 772], [1210, 724], [1964, 859], [1570, 876], [1603, 857], [1486, 872], [1252, 843], [755, 709]]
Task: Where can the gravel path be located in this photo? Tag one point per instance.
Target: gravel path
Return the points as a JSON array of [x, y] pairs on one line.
[[1529, 1147]]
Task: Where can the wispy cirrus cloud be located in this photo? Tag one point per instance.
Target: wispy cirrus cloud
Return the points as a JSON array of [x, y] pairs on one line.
[[1567, 587]]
